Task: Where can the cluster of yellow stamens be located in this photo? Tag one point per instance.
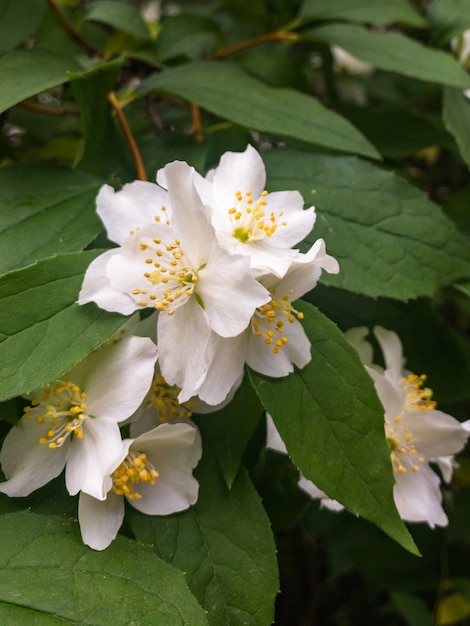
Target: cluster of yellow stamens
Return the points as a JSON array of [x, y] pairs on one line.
[[268, 320], [250, 219], [62, 410], [133, 470], [399, 438], [164, 398]]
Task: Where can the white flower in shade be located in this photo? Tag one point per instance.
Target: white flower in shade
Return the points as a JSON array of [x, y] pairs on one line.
[[275, 340], [175, 266], [416, 432], [153, 473], [73, 422], [344, 61], [247, 219]]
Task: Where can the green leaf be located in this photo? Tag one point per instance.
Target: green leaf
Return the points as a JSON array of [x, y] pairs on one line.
[[332, 423], [224, 544], [105, 153], [44, 211], [48, 577], [187, 35], [227, 91], [389, 238], [229, 429], [24, 73], [43, 332], [120, 16], [378, 12], [456, 116], [14, 28], [394, 52], [448, 18]]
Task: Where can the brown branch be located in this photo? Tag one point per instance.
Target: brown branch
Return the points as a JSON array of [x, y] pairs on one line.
[[139, 164], [72, 31], [197, 126], [278, 35], [39, 108]]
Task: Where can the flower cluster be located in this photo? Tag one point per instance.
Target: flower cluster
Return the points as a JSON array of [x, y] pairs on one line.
[[416, 432]]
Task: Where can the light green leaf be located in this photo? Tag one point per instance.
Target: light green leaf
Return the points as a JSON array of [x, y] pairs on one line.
[[48, 577], [14, 28], [377, 12], [224, 544], [389, 238], [43, 332], [24, 73], [456, 116], [229, 429], [44, 211], [332, 423], [120, 16], [227, 91], [394, 52]]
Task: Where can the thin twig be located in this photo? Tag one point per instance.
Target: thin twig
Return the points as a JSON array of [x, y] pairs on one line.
[[72, 31], [39, 108], [197, 126], [278, 35], [139, 164]]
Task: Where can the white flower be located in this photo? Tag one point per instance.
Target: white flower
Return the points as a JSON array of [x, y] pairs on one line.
[[153, 473], [73, 422], [344, 61], [275, 340], [247, 220]]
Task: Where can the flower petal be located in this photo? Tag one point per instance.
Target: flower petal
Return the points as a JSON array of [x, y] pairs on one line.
[[312, 490], [238, 171], [298, 221], [392, 351], [273, 438], [418, 497], [100, 520], [435, 433]]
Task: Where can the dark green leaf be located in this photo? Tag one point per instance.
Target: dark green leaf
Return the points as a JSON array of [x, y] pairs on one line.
[[224, 544], [331, 421], [227, 91], [119, 15], [14, 26], [388, 237], [44, 211], [456, 116], [43, 332], [394, 52], [378, 12], [48, 577], [448, 18], [24, 73], [190, 35]]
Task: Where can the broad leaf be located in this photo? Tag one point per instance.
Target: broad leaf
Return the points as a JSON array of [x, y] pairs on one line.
[[187, 35], [389, 238], [448, 18], [378, 12], [48, 577], [14, 28], [24, 73], [394, 52], [227, 91], [44, 211], [224, 544], [456, 116], [331, 421], [121, 16], [43, 332]]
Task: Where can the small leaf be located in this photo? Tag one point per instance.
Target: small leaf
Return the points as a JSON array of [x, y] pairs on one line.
[[47, 577], [456, 116], [394, 52], [389, 238], [227, 91], [331, 421], [121, 16], [43, 332], [14, 28], [378, 12], [224, 543], [24, 73], [44, 211]]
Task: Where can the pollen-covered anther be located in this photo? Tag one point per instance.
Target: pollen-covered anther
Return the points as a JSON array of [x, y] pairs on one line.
[[164, 398], [418, 398], [133, 470], [249, 218]]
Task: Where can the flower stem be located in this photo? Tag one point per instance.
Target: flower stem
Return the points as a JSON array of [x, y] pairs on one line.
[[38, 108], [139, 164], [278, 35], [197, 126], [72, 31]]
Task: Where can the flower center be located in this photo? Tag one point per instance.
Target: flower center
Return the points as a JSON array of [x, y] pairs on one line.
[[250, 220], [268, 320], [169, 279], [164, 398], [133, 470], [62, 410], [399, 438]]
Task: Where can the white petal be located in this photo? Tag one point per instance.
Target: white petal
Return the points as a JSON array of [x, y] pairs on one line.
[[119, 377], [92, 456], [357, 338], [100, 520], [312, 490], [97, 286], [263, 256], [392, 350], [26, 463], [238, 171], [446, 464], [299, 222], [273, 438], [135, 205], [391, 394], [418, 497], [435, 433]]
